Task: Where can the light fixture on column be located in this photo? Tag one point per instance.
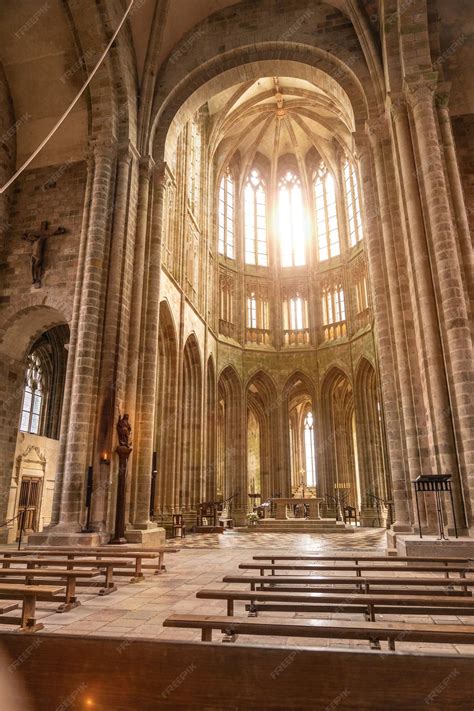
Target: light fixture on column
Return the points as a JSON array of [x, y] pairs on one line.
[[105, 458]]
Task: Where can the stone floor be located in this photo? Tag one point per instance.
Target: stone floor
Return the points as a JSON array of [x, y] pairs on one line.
[[138, 610]]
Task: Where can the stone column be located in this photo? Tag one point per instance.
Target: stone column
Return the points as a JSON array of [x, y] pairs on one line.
[[383, 325], [456, 189], [146, 414], [113, 369], [63, 445], [456, 355], [88, 340], [396, 276]]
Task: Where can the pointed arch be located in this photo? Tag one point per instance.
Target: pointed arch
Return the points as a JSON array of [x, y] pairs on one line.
[[230, 433], [166, 409], [369, 424], [262, 414], [298, 398], [191, 426], [210, 483], [339, 445]]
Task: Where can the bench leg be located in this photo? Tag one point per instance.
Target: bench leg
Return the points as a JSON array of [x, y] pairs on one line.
[[253, 610], [28, 620], [71, 600], [229, 635], [375, 643], [206, 635], [138, 577], [109, 586], [230, 608], [391, 644]]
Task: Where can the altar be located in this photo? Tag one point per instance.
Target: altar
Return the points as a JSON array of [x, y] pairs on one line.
[[312, 504]]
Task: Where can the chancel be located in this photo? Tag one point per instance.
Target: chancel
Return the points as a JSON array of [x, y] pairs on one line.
[[236, 360]]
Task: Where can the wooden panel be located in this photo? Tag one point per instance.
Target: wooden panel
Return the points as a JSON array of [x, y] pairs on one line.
[[105, 674]]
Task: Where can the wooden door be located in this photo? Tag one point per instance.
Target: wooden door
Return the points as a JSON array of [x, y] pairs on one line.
[[29, 504]]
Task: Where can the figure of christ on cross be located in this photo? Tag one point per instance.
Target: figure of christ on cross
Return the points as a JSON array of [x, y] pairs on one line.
[[38, 241]]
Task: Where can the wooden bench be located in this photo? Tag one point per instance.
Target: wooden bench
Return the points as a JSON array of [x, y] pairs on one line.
[[461, 570], [397, 559], [363, 583], [374, 632], [137, 554], [369, 605], [109, 566], [191, 676], [28, 594], [69, 576]]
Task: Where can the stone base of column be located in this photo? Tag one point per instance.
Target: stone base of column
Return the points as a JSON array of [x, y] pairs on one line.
[[430, 546], [65, 538], [146, 538]]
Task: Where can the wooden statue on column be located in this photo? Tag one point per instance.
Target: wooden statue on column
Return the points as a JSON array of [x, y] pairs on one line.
[[124, 449]]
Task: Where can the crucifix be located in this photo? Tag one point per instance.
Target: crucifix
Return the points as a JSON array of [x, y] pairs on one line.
[[38, 241]]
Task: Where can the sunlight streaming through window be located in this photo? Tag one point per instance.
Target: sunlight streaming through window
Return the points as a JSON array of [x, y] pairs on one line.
[[291, 221]]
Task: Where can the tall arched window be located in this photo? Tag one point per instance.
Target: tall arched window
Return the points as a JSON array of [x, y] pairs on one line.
[[334, 312], [352, 203], [32, 396], [327, 228], [255, 201], [226, 216], [291, 221], [310, 458]]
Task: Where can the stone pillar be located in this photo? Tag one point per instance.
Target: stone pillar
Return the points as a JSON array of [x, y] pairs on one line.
[[382, 312], [88, 339], [113, 369], [455, 355], [396, 276], [457, 195], [146, 413], [63, 445]]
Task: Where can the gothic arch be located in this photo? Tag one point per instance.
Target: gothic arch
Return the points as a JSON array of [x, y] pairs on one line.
[[337, 448], [166, 434], [191, 426], [230, 429], [209, 488], [262, 406], [368, 416]]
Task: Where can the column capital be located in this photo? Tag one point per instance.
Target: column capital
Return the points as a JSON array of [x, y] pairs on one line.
[[160, 173], [420, 92], [147, 165], [103, 148], [443, 94], [398, 106], [376, 128], [127, 151]]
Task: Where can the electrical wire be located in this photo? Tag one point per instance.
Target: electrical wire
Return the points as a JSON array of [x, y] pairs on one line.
[[71, 106]]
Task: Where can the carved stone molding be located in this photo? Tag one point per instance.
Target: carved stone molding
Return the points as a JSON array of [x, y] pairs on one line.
[[31, 454], [420, 93]]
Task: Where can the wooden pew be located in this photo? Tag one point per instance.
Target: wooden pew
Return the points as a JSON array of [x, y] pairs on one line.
[[105, 567], [369, 605], [28, 594], [363, 583], [156, 675], [396, 559], [70, 576], [136, 554], [374, 632], [461, 570]]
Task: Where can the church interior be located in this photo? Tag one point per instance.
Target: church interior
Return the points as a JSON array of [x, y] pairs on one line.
[[236, 359]]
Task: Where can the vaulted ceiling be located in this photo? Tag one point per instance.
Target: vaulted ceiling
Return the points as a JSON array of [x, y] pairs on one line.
[[44, 53]]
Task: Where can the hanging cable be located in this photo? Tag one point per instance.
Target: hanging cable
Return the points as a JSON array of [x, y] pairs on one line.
[[71, 106]]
